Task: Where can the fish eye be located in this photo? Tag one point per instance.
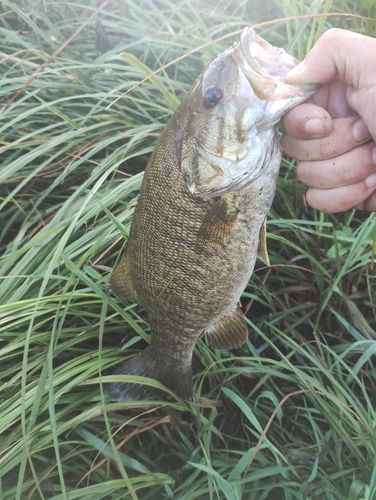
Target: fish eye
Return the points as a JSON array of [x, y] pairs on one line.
[[211, 96]]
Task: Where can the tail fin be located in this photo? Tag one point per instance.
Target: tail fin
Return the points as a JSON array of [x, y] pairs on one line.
[[175, 377]]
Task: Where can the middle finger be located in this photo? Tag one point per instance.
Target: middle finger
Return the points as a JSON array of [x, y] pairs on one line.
[[347, 133], [347, 169]]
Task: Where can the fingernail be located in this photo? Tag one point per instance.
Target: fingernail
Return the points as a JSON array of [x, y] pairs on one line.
[[295, 70], [371, 181], [360, 130], [314, 127], [374, 155]]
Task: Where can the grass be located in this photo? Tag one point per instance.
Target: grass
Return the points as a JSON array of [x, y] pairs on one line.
[[290, 415]]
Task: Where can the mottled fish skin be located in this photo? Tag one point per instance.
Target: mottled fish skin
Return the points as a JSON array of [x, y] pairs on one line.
[[195, 235]]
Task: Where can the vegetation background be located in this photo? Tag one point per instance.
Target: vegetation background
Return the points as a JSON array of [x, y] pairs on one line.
[[291, 414]]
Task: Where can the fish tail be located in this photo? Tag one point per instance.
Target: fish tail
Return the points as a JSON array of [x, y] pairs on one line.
[[176, 378]]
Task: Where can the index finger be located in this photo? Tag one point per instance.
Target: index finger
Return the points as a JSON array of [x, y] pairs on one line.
[[307, 121]]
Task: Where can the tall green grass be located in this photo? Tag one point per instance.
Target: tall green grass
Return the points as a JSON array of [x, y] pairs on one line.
[[290, 415]]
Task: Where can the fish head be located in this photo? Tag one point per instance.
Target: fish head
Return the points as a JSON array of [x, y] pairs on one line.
[[231, 113]]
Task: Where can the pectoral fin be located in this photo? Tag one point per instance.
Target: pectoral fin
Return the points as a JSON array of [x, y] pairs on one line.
[[230, 331], [263, 248], [120, 281], [217, 225]]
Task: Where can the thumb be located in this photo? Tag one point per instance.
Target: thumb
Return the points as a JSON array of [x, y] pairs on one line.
[[337, 52], [351, 57]]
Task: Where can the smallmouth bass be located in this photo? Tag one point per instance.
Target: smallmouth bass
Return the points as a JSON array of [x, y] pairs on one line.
[[200, 220]]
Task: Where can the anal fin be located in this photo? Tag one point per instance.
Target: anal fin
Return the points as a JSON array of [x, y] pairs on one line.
[[263, 247], [120, 282], [229, 332]]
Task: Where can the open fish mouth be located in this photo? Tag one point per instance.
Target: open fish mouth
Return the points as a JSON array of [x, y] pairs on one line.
[[266, 67], [262, 82]]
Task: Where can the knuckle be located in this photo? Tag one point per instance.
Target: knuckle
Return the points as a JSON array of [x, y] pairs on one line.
[[331, 34]]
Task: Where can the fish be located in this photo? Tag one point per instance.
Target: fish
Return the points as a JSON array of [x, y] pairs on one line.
[[200, 220]]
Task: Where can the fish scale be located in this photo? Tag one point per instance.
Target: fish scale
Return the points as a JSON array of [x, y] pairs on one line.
[[200, 218]]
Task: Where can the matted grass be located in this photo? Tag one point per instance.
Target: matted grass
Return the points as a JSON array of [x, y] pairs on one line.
[[290, 415]]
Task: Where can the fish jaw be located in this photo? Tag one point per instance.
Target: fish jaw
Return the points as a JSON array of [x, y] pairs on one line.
[[241, 173], [227, 147]]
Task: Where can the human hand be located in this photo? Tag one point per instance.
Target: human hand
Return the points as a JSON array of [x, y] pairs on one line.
[[331, 132]]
